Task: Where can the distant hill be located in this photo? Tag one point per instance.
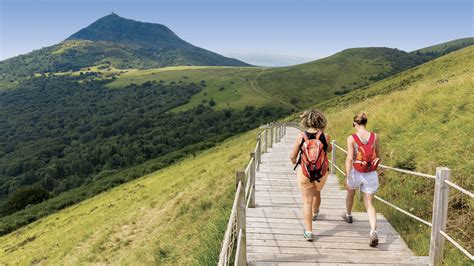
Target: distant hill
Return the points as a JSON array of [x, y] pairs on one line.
[[443, 48], [113, 41], [314, 82]]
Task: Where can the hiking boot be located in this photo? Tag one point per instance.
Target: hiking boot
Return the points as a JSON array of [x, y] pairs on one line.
[[308, 235], [315, 215], [374, 239], [347, 217]]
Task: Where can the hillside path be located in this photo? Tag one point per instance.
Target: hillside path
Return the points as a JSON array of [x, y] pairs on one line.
[[275, 225]]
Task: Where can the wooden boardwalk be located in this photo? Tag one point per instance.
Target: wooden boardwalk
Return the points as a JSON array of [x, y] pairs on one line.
[[275, 225]]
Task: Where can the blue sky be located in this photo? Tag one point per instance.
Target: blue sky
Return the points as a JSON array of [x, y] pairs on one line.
[[278, 31]]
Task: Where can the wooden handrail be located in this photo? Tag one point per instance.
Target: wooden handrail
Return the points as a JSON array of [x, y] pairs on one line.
[[245, 197]]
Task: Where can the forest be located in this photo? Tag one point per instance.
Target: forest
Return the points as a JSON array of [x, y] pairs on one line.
[[59, 133]]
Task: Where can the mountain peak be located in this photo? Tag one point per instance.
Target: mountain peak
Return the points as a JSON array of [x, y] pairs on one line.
[[114, 28]]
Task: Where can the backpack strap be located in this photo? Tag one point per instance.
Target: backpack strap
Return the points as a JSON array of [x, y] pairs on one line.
[[305, 138], [357, 140], [318, 135], [371, 138]]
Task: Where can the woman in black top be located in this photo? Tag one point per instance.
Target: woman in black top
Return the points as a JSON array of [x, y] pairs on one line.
[[315, 122]]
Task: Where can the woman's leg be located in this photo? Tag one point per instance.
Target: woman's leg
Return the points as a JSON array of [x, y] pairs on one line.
[[368, 198], [307, 209], [349, 199], [316, 201]]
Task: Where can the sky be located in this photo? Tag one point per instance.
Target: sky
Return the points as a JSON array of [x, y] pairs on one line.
[[261, 32]]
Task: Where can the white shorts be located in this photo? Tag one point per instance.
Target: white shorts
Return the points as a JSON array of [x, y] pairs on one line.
[[368, 182]]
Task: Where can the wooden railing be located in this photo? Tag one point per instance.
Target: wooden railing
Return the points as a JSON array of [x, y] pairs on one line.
[[234, 247], [440, 206]]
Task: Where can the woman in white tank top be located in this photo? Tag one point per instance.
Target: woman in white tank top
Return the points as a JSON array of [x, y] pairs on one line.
[[367, 181]]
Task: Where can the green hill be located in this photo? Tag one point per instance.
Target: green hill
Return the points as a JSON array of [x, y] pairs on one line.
[[422, 115], [112, 41], [444, 48], [314, 82]]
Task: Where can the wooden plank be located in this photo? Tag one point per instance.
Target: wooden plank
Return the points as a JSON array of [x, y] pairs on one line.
[[293, 221], [328, 259], [327, 245], [368, 254], [384, 239], [322, 225], [317, 231]]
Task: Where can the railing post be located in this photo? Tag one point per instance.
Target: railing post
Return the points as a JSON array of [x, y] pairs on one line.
[[265, 139], [280, 129], [259, 152], [253, 173], [333, 158], [271, 137], [440, 213], [276, 134], [241, 256]]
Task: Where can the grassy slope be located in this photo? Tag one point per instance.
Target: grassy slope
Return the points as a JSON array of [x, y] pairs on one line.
[[237, 82], [176, 215], [455, 44], [424, 119], [317, 81]]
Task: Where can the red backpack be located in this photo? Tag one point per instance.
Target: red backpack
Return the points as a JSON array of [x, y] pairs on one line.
[[366, 159], [313, 158]]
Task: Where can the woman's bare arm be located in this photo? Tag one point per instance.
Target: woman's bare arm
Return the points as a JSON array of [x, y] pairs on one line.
[[350, 155], [296, 149], [328, 141]]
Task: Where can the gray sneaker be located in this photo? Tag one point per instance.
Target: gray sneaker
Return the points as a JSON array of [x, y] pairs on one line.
[[374, 239], [308, 235], [347, 217], [315, 215]]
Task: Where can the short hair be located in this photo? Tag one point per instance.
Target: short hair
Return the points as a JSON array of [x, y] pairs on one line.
[[313, 118], [361, 119]]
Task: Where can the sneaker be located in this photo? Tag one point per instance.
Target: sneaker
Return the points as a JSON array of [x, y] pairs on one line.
[[347, 217], [315, 215], [308, 235], [374, 239]]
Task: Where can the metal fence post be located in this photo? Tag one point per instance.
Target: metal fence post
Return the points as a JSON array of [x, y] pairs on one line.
[[241, 256], [333, 158], [253, 173], [440, 213]]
